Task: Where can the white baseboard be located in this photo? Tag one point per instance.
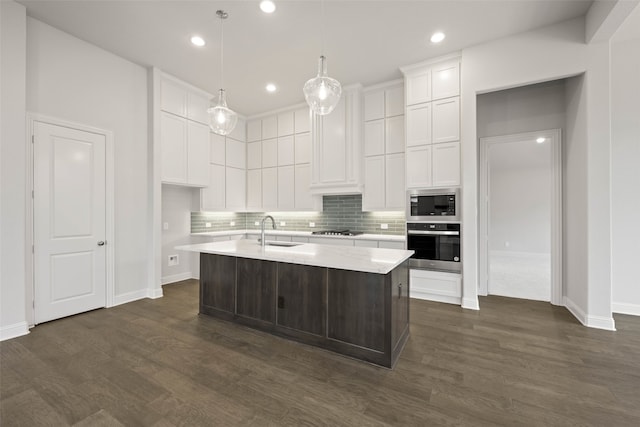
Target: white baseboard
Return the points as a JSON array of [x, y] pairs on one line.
[[176, 278], [155, 293], [623, 308], [471, 303], [13, 331], [597, 322], [434, 297], [130, 297]]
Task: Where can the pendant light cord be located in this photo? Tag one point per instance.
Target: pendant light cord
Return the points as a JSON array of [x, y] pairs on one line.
[[322, 29], [221, 51]]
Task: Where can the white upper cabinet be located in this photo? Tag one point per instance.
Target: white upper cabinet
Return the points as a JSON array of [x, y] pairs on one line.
[[285, 151], [373, 105], [197, 106], [286, 188], [270, 127], [303, 198], [239, 133], [302, 149], [394, 182], [374, 138], [198, 147], [302, 120], [254, 130], [418, 166], [285, 123], [212, 198], [418, 87], [419, 124], [394, 135], [173, 133], [235, 190], [270, 189], [374, 183], [236, 154], [254, 155], [446, 164], [446, 120], [254, 189], [218, 149], [173, 98], [445, 79], [394, 101], [269, 153]]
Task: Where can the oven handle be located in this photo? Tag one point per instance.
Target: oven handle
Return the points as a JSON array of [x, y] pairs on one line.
[[437, 233]]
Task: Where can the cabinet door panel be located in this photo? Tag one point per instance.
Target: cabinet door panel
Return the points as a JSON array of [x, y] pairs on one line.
[[235, 188], [254, 189], [254, 155], [301, 297], [270, 189], [374, 105], [239, 133], [303, 198], [217, 282], [269, 153], [394, 101], [445, 81], [173, 98], [418, 166], [270, 127], [286, 188], [333, 167], [212, 197], [374, 186], [285, 123], [303, 148], [197, 154], [419, 125], [285, 151], [374, 138], [356, 308], [254, 130], [418, 87], [394, 182], [446, 120], [236, 154], [173, 136], [197, 106], [218, 153], [256, 291], [394, 135], [302, 120], [446, 164]]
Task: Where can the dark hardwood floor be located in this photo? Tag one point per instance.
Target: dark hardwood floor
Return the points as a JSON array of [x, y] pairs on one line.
[[157, 363]]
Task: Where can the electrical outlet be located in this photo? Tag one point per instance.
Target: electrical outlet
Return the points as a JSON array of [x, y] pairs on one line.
[[232, 223], [173, 260], [207, 225], [282, 223], [384, 226], [165, 225], [312, 224]]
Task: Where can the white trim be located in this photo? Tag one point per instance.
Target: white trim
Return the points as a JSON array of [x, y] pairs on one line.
[[575, 310], [13, 331], [555, 137], [154, 201], [32, 118], [624, 308], [471, 303], [154, 293], [434, 297], [383, 85], [130, 297], [409, 69], [177, 278], [596, 322]]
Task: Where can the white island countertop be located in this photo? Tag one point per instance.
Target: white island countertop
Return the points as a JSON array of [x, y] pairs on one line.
[[369, 260]]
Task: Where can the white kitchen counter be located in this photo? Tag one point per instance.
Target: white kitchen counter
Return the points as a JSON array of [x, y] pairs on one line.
[[369, 260], [271, 232]]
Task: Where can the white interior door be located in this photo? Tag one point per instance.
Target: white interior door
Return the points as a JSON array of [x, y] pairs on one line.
[[69, 221]]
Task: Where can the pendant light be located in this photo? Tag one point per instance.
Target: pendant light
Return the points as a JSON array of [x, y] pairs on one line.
[[222, 120], [322, 92]]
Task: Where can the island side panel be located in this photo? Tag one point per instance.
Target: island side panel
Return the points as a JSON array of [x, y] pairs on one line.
[[399, 308], [301, 298], [217, 285], [356, 308], [256, 292]]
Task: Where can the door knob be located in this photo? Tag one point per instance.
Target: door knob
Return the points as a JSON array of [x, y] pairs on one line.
[[101, 243]]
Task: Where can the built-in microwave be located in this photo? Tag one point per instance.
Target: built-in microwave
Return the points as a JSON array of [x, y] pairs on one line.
[[442, 204]]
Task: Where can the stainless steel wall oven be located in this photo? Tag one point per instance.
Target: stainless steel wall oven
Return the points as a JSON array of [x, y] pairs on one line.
[[436, 245]]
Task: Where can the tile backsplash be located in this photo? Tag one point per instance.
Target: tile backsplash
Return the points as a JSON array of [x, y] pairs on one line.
[[339, 213]]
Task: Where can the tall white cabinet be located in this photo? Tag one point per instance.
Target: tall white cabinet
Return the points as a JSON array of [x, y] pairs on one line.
[[432, 93], [279, 162], [384, 147]]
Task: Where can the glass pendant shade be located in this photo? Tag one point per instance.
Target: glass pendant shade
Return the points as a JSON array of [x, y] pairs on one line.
[[222, 120], [322, 92]]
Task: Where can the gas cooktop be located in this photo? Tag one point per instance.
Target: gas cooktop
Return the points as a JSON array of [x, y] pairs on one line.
[[337, 233]]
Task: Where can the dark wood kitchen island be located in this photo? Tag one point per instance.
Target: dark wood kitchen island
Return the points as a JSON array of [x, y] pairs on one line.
[[351, 300]]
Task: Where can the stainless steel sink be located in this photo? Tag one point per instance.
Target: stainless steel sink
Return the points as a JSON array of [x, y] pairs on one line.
[[283, 244]]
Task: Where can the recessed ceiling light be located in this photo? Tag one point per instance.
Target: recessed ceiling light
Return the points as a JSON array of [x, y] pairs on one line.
[[271, 87], [267, 6], [437, 37], [198, 41], [541, 140]]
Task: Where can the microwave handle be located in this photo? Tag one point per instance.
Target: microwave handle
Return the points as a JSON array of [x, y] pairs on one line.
[[436, 233]]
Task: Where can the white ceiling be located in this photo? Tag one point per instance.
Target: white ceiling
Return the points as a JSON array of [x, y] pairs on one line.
[[366, 41]]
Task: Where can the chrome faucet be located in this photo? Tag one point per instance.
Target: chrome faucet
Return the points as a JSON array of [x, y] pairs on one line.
[[262, 239]]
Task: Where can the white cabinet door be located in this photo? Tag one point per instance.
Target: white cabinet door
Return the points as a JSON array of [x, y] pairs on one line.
[[418, 166], [270, 189], [374, 138], [236, 154], [218, 149], [270, 127], [286, 188], [446, 164], [418, 86], [303, 198], [197, 154], [435, 286], [173, 137], [333, 167], [254, 130], [173, 98], [419, 125], [212, 198], [197, 106], [239, 133], [235, 189], [374, 105], [254, 190], [303, 148], [302, 118], [254, 155], [445, 80], [285, 151], [394, 101], [269, 153], [285, 123], [394, 135], [394, 182], [374, 184], [446, 120]]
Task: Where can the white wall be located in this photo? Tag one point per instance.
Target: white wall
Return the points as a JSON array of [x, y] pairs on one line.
[[625, 174], [13, 162], [70, 79], [177, 204]]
